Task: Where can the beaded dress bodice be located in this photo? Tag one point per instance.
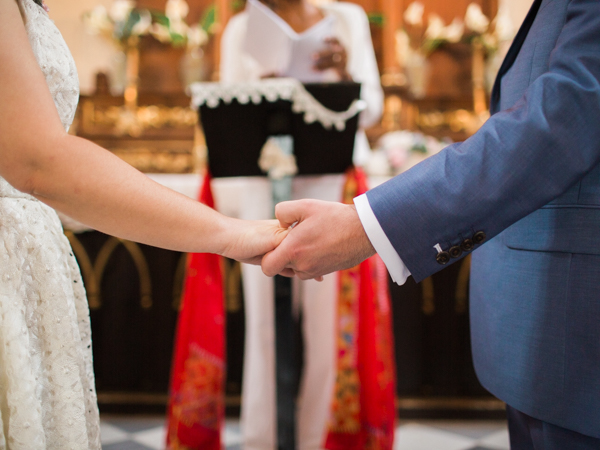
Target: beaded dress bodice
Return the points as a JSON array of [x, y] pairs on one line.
[[47, 393]]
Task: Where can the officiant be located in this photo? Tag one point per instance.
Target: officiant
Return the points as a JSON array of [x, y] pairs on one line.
[[340, 50]]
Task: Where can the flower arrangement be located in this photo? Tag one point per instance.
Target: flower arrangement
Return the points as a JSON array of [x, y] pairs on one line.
[[124, 21], [415, 42], [398, 151], [491, 34], [415, 37]]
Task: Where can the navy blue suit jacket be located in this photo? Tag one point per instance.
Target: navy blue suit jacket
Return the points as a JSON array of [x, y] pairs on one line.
[[527, 186]]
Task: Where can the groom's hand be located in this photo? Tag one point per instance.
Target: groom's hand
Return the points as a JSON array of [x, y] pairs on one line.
[[326, 237]]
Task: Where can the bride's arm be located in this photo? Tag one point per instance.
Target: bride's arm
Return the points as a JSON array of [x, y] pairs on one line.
[[90, 184]]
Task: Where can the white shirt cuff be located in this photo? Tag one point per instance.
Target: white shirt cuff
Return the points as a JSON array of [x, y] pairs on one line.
[[397, 269]]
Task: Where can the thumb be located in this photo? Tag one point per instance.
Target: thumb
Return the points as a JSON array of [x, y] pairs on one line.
[[288, 213], [275, 262], [279, 233]]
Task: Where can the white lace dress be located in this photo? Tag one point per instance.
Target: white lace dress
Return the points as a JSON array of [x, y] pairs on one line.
[[47, 394]]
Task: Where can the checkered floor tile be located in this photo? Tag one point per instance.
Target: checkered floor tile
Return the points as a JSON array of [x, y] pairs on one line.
[[148, 433]]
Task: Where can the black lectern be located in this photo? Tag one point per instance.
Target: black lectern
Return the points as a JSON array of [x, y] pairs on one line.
[[236, 132], [237, 121]]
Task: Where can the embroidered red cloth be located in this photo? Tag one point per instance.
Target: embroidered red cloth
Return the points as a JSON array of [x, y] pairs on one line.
[[196, 403], [363, 411]]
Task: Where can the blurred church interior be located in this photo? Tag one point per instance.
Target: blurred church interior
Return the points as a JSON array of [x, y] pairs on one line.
[[437, 66]]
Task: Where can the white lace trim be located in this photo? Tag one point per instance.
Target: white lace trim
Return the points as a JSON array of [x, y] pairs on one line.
[[272, 90]]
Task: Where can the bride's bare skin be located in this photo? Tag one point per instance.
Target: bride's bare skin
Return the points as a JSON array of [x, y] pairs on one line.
[[92, 185]]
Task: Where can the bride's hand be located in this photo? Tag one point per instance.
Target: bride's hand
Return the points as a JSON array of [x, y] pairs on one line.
[[249, 240]]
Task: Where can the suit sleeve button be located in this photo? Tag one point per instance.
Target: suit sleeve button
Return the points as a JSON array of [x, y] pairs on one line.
[[443, 258], [479, 237], [467, 245], [455, 251]]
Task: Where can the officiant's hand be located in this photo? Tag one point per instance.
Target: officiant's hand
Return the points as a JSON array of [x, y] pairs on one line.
[[326, 237], [333, 56], [247, 241]]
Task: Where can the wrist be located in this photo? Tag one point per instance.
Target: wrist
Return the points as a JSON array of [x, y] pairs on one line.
[[223, 235], [365, 247]]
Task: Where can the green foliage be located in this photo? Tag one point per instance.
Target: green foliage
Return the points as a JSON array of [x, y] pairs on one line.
[[238, 5], [209, 18], [377, 19], [159, 18]]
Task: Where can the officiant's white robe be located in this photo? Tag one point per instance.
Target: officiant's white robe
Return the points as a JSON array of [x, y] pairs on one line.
[[250, 198]]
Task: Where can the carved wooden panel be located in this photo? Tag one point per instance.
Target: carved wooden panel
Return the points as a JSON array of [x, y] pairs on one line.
[[134, 294]]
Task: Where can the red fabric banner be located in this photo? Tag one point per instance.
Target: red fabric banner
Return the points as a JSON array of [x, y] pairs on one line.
[[363, 411], [196, 404]]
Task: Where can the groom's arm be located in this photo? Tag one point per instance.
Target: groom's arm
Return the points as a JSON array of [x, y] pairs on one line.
[[520, 160]]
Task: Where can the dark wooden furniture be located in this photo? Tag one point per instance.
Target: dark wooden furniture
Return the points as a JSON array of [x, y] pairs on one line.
[[134, 292]]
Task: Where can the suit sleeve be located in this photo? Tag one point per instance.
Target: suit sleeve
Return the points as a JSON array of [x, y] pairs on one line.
[[521, 159]]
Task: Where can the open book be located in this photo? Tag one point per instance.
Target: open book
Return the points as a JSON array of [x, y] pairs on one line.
[[279, 49]]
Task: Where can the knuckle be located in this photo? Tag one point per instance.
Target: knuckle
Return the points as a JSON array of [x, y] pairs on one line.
[[305, 268], [295, 254]]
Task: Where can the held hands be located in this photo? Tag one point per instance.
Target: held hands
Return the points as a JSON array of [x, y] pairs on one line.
[[326, 237], [248, 241]]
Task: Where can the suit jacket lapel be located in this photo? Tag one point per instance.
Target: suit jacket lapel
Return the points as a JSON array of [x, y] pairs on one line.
[[512, 54]]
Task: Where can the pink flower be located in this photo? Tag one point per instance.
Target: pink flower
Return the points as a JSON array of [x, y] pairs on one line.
[[397, 156]]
